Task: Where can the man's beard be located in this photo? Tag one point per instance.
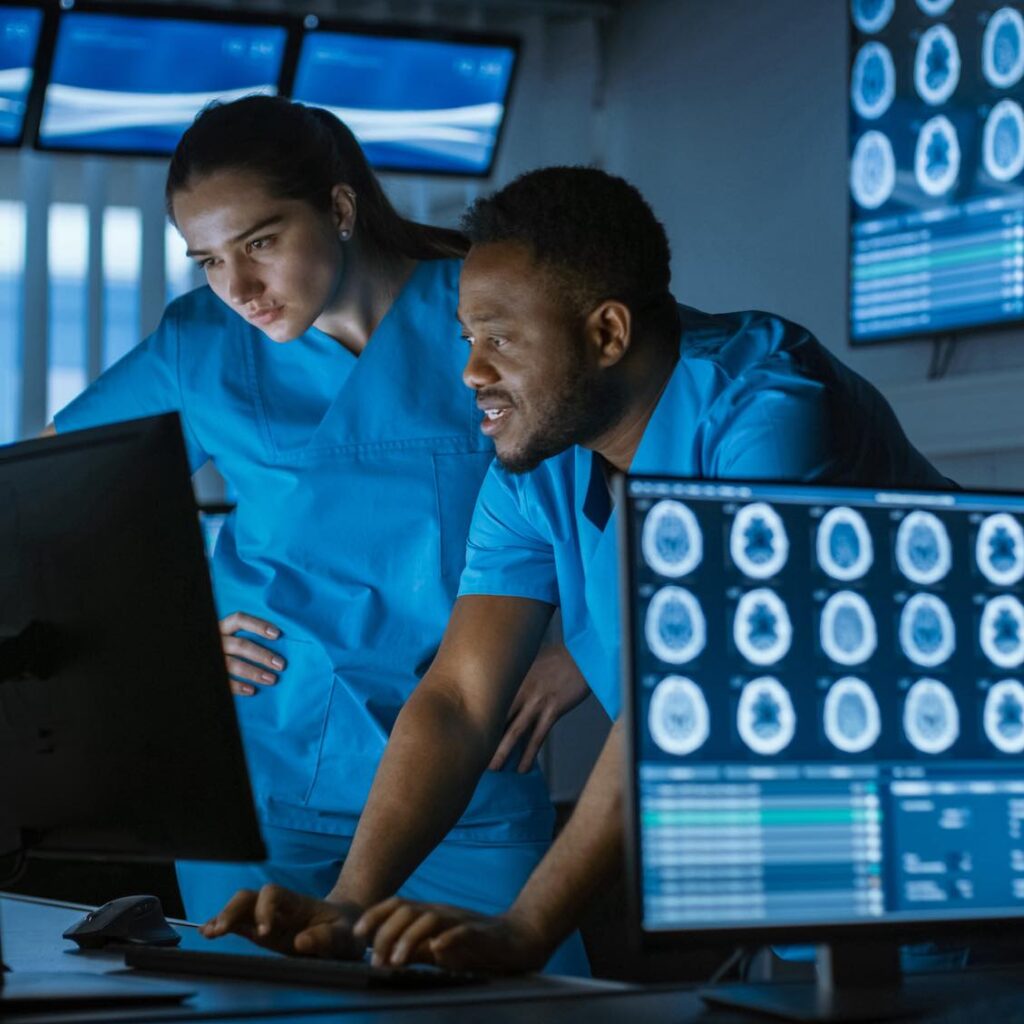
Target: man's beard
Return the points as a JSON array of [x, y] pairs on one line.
[[583, 408]]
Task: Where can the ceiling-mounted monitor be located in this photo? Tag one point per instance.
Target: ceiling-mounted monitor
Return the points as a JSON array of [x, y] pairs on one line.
[[417, 100], [936, 161], [21, 27], [129, 78]]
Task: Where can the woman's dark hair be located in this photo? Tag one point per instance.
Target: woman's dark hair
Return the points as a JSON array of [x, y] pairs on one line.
[[595, 235], [302, 152]]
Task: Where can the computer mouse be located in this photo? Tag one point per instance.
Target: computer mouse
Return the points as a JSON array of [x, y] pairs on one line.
[[131, 920]]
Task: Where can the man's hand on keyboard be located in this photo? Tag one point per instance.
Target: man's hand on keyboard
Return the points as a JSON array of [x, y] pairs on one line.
[[288, 922], [403, 931]]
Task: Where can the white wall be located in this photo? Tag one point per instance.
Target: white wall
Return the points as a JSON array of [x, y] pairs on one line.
[[730, 116]]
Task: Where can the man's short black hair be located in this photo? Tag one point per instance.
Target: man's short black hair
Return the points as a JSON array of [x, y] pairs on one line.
[[594, 232]]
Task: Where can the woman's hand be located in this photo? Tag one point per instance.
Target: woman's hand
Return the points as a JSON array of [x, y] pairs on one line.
[[246, 661], [553, 686], [403, 931], [288, 922]]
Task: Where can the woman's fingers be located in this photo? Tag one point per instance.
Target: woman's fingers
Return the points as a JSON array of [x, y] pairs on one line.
[[241, 621], [247, 662], [238, 647]]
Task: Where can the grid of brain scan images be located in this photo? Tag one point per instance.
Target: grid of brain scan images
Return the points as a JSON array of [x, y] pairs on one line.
[[936, 155], [826, 703], [794, 626]]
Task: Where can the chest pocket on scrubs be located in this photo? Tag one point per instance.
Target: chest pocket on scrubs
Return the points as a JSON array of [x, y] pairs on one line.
[[289, 719], [458, 478]]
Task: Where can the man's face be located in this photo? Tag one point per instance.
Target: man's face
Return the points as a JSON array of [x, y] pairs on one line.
[[275, 262], [535, 381]]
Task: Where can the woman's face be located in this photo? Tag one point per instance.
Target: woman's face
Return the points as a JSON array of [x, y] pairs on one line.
[[276, 262]]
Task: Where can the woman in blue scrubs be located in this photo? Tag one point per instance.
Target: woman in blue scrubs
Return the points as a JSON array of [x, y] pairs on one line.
[[355, 457]]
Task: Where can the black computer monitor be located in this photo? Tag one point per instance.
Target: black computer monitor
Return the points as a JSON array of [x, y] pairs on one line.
[[825, 701], [21, 28], [118, 734], [419, 100]]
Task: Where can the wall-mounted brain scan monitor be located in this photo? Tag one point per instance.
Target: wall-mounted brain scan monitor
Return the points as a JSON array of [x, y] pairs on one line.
[[131, 78], [417, 101], [815, 765], [20, 30], [936, 173]]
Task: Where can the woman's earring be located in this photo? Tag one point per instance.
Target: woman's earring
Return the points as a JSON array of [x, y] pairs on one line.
[[345, 235]]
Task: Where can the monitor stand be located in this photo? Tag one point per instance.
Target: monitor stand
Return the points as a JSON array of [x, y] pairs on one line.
[[50, 991], [857, 981]]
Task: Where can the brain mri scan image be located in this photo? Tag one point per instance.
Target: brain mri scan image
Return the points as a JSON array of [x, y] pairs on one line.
[[765, 717], [1002, 141], [923, 551], [1002, 631], [1002, 48], [1004, 716], [852, 720], [757, 542], [871, 15], [678, 716], [937, 65], [933, 8], [931, 721], [927, 633], [1000, 550], [937, 156], [844, 545], [848, 633], [873, 81], [762, 630], [675, 628], [672, 542], [872, 170]]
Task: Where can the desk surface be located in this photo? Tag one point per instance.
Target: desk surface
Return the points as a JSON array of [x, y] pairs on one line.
[[32, 941]]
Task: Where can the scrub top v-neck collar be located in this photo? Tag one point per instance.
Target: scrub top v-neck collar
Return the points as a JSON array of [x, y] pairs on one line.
[[357, 414]]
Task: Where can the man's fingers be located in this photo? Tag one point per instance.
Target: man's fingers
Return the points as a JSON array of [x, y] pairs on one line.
[[372, 919], [539, 735], [452, 950], [250, 624], [238, 910], [332, 938], [429, 923], [390, 931], [513, 733], [274, 905], [241, 648]]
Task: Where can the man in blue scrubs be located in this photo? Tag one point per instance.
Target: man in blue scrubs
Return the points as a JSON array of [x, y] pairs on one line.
[[582, 365]]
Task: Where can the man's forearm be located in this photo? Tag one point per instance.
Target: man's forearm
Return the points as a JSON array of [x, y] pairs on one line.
[[587, 853], [433, 761]]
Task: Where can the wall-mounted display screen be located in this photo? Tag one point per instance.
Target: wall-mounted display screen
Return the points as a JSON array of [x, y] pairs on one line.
[[127, 82], [936, 159], [20, 28], [415, 104], [826, 704]]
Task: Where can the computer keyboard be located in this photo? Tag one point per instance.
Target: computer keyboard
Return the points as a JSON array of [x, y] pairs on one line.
[[295, 970]]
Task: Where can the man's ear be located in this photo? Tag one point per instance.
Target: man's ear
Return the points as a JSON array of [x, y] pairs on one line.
[[608, 330]]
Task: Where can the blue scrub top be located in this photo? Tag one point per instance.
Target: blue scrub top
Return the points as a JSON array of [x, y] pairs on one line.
[[753, 396], [355, 481]]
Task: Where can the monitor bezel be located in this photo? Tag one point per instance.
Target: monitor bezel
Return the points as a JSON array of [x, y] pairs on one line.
[[428, 33], [40, 67], [291, 23], [648, 940], [955, 334]]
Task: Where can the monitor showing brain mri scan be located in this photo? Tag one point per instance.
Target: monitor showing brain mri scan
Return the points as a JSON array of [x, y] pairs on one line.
[[936, 144], [821, 670]]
